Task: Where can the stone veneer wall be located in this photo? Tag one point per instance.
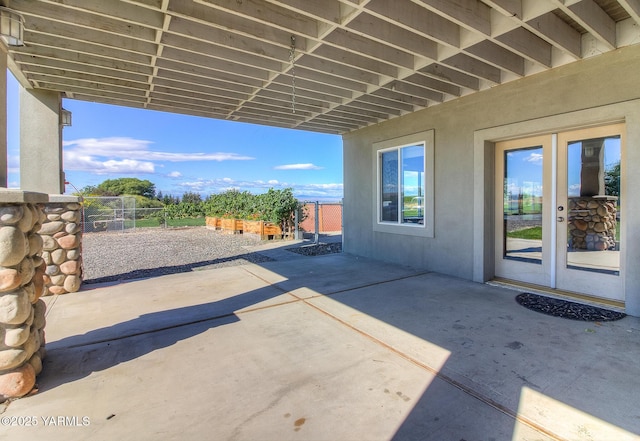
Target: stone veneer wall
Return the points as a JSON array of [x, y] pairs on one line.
[[62, 236], [22, 312], [592, 223]]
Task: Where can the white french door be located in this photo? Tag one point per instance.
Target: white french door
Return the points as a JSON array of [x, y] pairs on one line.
[[559, 211]]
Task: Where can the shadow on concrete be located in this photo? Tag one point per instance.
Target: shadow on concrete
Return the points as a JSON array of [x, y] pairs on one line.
[[497, 348], [175, 269], [75, 357]]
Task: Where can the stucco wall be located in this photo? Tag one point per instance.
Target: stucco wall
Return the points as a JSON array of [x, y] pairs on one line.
[[591, 83]]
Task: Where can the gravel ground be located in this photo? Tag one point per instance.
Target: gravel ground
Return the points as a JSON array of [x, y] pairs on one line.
[[145, 253], [108, 257], [318, 250]]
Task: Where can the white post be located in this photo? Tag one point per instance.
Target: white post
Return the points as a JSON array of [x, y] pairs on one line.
[[41, 141], [316, 239]]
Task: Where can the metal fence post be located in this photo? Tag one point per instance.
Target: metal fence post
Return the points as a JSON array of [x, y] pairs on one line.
[[317, 223], [122, 212], [342, 222]]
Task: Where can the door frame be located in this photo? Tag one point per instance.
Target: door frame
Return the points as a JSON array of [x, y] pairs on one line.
[[484, 140], [552, 271], [538, 273], [590, 283]]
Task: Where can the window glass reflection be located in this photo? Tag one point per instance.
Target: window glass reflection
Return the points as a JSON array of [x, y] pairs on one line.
[[593, 227], [413, 184], [402, 192], [389, 182], [522, 202]]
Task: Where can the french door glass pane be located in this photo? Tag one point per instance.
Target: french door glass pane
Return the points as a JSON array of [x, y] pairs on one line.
[[593, 224], [413, 184], [522, 202], [389, 182]]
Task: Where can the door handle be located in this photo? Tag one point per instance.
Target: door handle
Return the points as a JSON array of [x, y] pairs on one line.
[[560, 219]]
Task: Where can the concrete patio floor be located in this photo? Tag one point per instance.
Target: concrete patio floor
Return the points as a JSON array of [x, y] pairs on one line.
[[331, 347]]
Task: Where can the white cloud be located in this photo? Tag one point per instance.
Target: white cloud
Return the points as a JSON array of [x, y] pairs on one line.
[[302, 191], [13, 161], [175, 174], [128, 155], [307, 166], [74, 160], [325, 186], [536, 158], [574, 190]]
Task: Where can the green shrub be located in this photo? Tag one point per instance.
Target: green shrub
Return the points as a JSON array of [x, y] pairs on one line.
[[232, 204], [277, 206], [185, 210]]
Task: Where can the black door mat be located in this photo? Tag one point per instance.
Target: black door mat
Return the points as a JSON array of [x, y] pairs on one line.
[[567, 309]]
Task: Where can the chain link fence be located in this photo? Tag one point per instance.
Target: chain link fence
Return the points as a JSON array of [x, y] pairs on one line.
[[118, 213], [321, 218], [105, 213]]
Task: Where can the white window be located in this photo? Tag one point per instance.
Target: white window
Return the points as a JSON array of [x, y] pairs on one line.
[[404, 182]]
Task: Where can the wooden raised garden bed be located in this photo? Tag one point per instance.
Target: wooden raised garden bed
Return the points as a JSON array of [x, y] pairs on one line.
[[232, 226], [214, 223], [264, 230]]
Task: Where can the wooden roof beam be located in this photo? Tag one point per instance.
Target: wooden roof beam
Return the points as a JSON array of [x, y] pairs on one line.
[[497, 56], [425, 81], [203, 38], [393, 35], [414, 90], [471, 14], [416, 18], [471, 66], [337, 69], [633, 8], [451, 76], [51, 29], [349, 40], [269, 14], [557, 32], [591, 17], [51, 44], [403, 98], [234, 25], [525, 42], [337, 55], [509, 8]]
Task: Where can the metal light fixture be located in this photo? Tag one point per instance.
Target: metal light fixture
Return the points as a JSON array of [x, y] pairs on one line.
[[65, 117], [11, 27]]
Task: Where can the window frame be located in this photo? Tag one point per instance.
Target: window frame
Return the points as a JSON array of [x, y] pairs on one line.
[[425, 139]]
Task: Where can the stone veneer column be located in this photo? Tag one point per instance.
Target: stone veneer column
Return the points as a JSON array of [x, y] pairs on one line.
[[21, 285], [593, 223], [62, 236]]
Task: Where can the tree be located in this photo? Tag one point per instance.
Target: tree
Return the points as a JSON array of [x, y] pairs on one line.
[[190, 197], [89, 190], [127, 186], [612, 180], [170, 200]]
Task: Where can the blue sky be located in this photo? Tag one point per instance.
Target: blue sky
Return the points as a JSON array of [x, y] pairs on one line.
[[525, 167], [180, 153]]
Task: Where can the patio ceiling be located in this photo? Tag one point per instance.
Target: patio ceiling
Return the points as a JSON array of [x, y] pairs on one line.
[[355, 62]]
